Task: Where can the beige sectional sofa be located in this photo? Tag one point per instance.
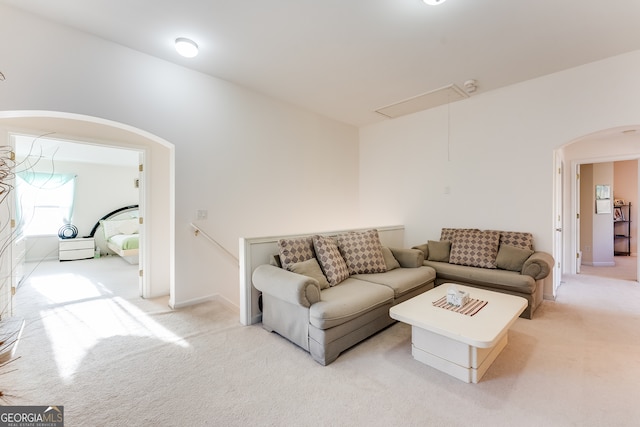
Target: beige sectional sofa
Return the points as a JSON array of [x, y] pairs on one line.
[[502, 261], [327, 293]]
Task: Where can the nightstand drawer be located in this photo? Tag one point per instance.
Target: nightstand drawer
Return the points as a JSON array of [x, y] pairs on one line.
[[73, 244], [76, 254], [78, 248]]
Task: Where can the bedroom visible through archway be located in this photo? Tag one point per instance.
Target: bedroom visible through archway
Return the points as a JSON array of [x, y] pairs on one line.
[[81, 191], [157, 270]]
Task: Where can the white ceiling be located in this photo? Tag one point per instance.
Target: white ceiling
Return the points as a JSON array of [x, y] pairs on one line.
[[347, 58]]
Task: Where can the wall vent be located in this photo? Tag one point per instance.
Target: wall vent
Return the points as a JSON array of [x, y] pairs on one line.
[[425, 101]]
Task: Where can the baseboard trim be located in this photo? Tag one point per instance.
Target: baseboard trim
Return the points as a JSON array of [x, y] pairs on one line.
[[214, 297], [194, 301], [603, 264], [228, 304]]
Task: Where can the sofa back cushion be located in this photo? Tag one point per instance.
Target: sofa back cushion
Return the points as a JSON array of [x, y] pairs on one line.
[[512, 257], [362, 252], [295, 250], [475, 248], [389, 260], [311, 268], [517, 239], [330, 259], [449, 233], [439, 251]]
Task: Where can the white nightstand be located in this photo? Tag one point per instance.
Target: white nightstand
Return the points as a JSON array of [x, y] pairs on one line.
[[78, 248]]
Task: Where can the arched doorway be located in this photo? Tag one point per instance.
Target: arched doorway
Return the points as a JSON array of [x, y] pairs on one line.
[[157, 263], [608, 145]]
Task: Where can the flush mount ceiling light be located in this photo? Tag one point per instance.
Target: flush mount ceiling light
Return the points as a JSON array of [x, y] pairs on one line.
[[434, 2], [186, 47]]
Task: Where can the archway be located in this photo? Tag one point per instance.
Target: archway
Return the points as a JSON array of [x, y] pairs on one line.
[[607, 145], [157, 263]]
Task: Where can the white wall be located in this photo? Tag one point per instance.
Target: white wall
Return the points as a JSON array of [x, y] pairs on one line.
[[586, 213], [498, 164], [602, 222], [258, 166]]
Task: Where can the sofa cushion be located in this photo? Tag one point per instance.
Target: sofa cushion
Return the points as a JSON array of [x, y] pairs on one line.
[[346, 301], [389, 260], [295, 250], [475, 248], [512, 258], [497, 279], [439, 250], [517, 239], [401, 280], [330, 259], [311, 268], [362, 251], [449, 233]]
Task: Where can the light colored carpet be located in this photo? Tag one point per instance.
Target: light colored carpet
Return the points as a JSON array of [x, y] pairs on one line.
[[113, 359], [625, 269]]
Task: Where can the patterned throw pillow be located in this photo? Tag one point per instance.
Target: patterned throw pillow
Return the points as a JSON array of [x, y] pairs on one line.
[[330, 260], [295, 250], [449, 233], [362, 252], [517, 239], [475, 248]]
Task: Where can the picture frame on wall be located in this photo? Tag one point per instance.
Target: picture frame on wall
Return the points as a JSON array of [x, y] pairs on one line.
[[603, 206], [603, 192]]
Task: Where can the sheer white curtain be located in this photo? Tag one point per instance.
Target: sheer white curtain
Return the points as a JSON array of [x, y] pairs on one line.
[[44, 201]]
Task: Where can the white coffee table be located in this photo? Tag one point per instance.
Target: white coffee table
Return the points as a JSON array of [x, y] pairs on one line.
[[460, 345]]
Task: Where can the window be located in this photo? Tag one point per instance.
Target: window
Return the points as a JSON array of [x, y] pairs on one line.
[[44, 202]]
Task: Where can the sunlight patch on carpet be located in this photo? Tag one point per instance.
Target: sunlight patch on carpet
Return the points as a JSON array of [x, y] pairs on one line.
[[83, 314], [68, 287]]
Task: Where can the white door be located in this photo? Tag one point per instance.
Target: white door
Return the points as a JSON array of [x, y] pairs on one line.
[[142, 287], [558, 243]]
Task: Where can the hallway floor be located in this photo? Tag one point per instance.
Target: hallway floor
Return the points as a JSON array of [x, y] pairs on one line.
[[625, 269]]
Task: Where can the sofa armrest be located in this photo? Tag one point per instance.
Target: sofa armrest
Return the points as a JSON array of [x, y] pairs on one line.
[[408, 258], [538, 265], [286, 285]]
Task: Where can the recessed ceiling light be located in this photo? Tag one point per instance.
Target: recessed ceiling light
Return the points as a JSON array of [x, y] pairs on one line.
[[434, 2], [186, 47]]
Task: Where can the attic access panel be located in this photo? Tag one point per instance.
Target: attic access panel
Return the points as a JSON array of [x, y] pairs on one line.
[[435, 98]]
